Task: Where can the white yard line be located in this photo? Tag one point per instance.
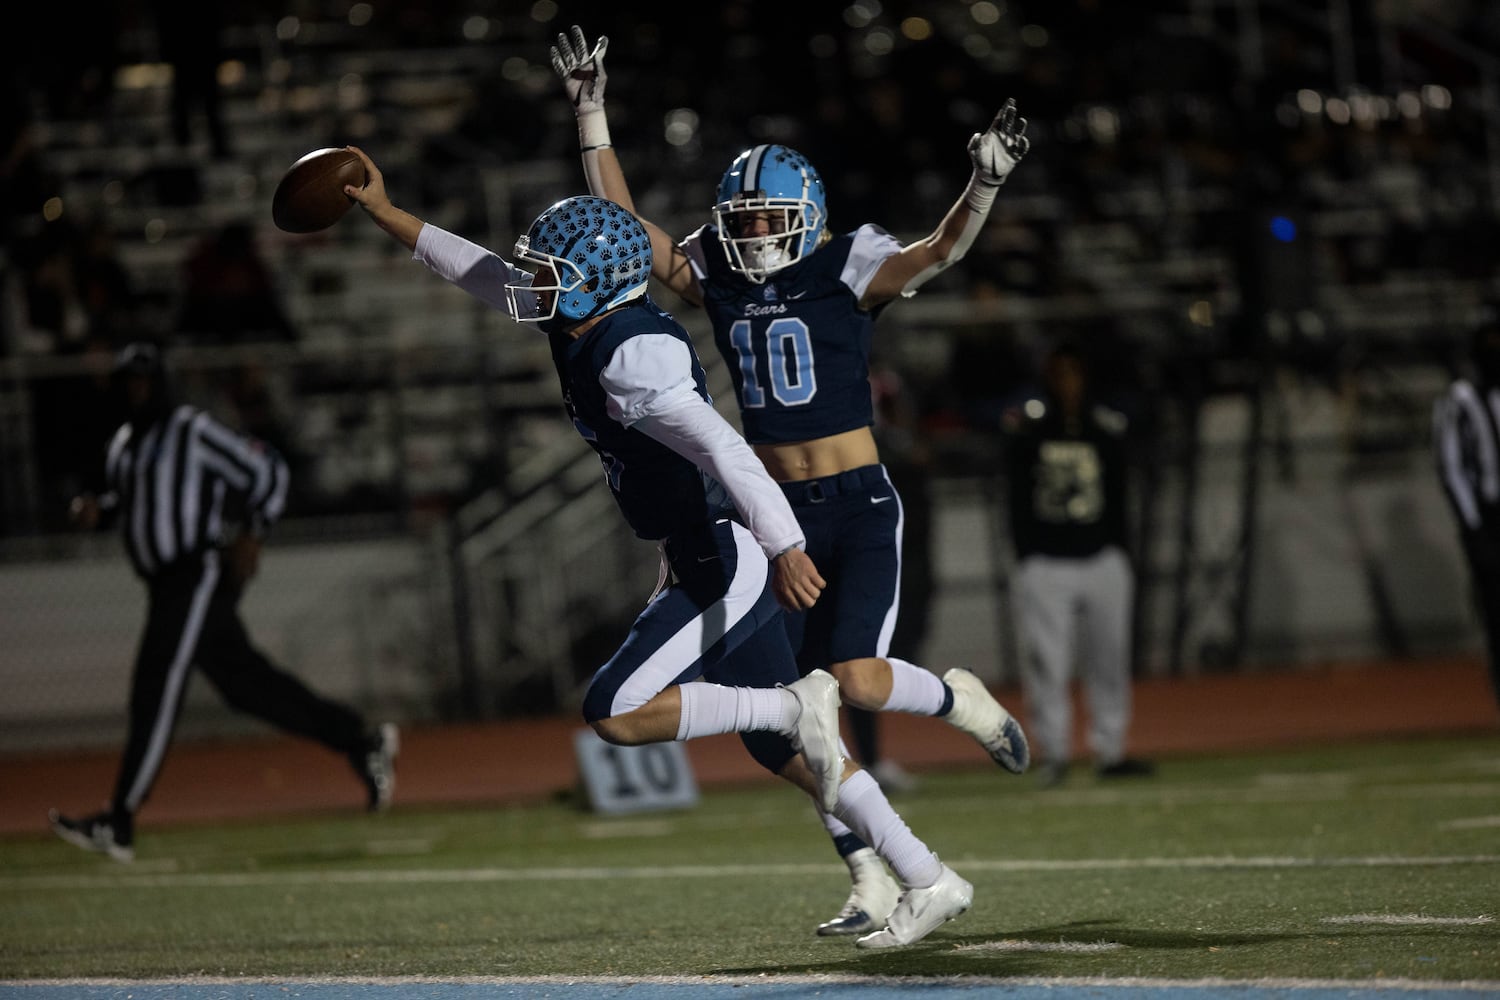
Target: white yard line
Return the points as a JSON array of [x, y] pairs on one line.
[[623, 829], [1065, 947], [408, 845], [1409, 920], [127, 879], [1473, 823]]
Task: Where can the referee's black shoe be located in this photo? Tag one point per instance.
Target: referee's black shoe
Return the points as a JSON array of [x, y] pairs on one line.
[[1127, 767], [376, 766], [106, 833]]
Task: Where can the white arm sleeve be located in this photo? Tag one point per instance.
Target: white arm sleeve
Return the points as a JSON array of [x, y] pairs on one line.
[[643, 370], [650, 387], [873, 246], [480, 272]]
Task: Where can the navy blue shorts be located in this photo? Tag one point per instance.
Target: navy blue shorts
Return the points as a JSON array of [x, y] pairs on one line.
[[853, 524], [718, 621]]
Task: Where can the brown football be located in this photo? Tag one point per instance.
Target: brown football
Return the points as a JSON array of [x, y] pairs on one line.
[[311, 194]]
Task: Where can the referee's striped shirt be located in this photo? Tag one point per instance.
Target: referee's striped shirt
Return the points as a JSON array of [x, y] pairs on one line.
[[180, 482], [1466, 437]]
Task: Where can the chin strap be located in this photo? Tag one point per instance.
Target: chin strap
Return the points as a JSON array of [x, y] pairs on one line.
[[978, 197]]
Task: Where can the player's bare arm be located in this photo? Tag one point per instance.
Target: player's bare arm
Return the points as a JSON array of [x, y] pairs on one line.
[[669, 265], [994, 153], [377, 204], [581, 70]]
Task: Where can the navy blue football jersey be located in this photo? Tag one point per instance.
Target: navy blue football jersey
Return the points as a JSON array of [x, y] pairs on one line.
[[798, 346], [659, 492]]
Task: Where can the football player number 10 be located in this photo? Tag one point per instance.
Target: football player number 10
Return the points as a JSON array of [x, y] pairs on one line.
[[788, 362], [634, 779]]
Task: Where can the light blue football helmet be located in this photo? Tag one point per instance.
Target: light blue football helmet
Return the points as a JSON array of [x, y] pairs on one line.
[[599, 253], [779, 183]]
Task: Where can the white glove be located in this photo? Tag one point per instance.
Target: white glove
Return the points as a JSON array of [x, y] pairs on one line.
[[997, 150], [582, 71]]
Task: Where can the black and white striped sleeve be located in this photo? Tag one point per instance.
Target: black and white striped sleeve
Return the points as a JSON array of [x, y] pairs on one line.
[[117, 460], [249, 467], [1467, 455]]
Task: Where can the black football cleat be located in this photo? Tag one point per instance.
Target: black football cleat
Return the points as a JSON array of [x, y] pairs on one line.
[[376, 766], [1126, 767], [103, 833]]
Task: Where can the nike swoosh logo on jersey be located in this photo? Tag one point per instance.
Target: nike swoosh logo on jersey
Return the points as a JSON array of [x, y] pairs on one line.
[[879, 499]]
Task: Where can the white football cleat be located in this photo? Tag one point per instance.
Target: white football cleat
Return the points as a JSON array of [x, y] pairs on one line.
[[816, 735], [922, 911], [870, 904], [977, 713]]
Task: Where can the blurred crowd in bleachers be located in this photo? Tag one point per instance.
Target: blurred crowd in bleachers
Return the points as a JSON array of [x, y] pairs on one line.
[[1168, 137]]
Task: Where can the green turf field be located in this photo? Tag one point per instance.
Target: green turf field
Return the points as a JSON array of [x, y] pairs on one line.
[[1352, 863]]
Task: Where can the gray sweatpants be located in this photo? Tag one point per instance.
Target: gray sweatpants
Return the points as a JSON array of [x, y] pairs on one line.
[[1067, 611]]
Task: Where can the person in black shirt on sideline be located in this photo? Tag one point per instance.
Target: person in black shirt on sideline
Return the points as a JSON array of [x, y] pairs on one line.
[[1066, 463]]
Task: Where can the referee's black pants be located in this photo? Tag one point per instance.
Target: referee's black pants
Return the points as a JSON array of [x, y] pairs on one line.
[[193, 620]]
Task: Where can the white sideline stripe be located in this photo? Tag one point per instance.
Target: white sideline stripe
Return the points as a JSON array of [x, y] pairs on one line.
[[445, 875], [1409, 919], [1069, 947], [1393, 985]]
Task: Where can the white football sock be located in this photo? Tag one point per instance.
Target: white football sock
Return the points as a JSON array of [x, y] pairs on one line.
[[863, 806], [914, 689], [711, 709]]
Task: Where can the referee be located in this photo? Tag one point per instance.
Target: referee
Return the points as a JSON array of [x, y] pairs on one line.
[[193, 500], [1466, 438]]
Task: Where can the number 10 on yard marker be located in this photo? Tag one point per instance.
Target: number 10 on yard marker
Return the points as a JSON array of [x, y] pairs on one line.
[[634, 779]]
